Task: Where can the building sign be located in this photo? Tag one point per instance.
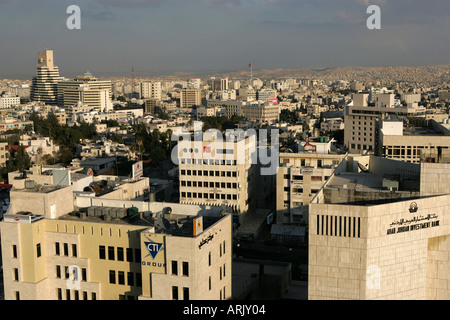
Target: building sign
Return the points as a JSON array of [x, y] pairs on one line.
[[89, 172], [153, 252], [306, 171], [138, 170], [308, 146], [205, 240], [207, 149], [414, 223], [198, 225]]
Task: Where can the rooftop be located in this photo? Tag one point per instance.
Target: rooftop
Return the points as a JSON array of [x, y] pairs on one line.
[[164, 222]]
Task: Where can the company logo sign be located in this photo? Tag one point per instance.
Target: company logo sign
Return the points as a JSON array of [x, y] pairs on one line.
[[413, 207], [153, 248]]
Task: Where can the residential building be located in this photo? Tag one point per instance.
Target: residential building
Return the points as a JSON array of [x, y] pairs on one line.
[[151, 90], [9, 100]]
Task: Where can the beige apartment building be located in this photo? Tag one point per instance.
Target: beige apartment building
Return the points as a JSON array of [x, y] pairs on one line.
[[374, 235], [150, 90], [299, 178], [217, 172], [112, 249]]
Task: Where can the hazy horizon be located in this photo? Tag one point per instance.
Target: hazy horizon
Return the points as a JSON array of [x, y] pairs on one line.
[[165, 37]]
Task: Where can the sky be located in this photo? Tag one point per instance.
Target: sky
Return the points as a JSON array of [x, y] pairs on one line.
[[203, 36]]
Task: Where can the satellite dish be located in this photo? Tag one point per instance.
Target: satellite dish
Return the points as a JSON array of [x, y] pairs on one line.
[[164, 224]]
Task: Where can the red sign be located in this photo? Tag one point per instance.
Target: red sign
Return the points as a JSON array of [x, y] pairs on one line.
[[16, 218], [206, 149]]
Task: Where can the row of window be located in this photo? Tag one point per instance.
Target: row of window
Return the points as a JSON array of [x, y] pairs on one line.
[[74, 294], [184, 269], [175, 293], [119, 254], [364, 147], [131, 279], [211, 196], [68, 270], [205, 184], [210, 162], [65, 249], [210, 173], [338, 226]]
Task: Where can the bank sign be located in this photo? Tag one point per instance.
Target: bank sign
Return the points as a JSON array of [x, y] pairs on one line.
[[413, 221], [153, 247]]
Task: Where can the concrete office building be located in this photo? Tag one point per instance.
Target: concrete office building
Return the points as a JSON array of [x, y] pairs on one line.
[[381, 232], [362, 122], [190, 98], [44, 85], [87, 90], [299, 177], [406, 143], [106, 249], [262, 113], [214, 172]]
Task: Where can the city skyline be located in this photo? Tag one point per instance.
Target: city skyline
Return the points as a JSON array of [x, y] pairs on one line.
[[165, 37]]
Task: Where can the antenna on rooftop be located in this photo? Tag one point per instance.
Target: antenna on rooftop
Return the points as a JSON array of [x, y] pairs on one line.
[[133, 80]]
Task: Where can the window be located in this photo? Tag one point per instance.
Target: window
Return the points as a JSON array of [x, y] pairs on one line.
[[59, 293], [120, 254], [175, 268], [66, 249], [186, 293], [83, 274], [186, 269], [129, 255], [67, 294], [121, 277], [85, 295], [74, 250], [94, 296], [77, 296], [112, 277], [57, 251], [209, 259], [209, 281], [130, 278], [16, 274], [102, 252], [110, 253], [138, 279], [137, 255], [175, 293], [58, 272]]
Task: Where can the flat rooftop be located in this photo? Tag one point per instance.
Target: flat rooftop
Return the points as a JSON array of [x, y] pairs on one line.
[[173, 224], [369, 189]]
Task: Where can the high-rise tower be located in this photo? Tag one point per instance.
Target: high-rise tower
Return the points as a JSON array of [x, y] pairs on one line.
[[44, 85]]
